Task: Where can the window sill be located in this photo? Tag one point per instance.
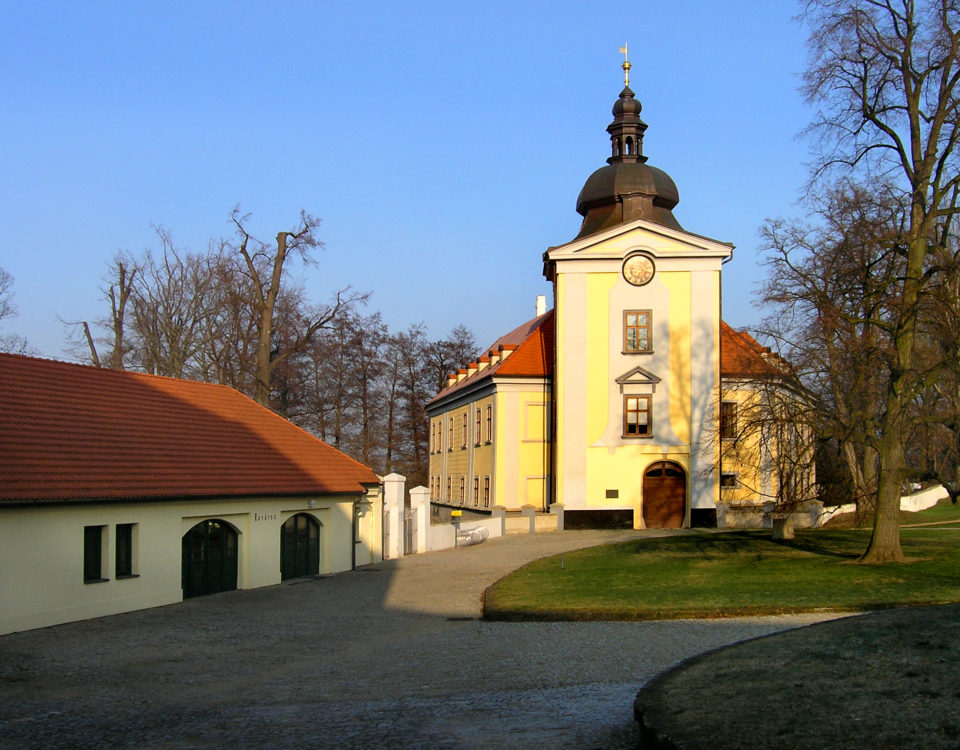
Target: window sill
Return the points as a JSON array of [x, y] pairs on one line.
[[637, 437], [96, 580], [638, 351], [488, 442], [129, 575]]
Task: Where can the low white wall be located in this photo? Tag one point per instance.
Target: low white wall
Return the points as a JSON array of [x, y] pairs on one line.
[[912, 503], [441, 536], [924, 499]]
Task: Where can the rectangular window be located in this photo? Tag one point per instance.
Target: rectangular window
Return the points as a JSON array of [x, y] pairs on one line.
[[449, 493], [486, 492], [728, 481], [450, 436], [93, 538], [728, 420], [476, 437], [476, 490], [463, 442], [489, 423], [433, 436], [463, 486], [125, 552], [636, 331], [636, 416]]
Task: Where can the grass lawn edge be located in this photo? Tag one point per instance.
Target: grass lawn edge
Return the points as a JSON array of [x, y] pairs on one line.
[[547, 601], [493, 613]]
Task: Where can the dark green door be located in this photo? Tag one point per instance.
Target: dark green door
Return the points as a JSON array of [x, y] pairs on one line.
[[209, 559], [299, 547]]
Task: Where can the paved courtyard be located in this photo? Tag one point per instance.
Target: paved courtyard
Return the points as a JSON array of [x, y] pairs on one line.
[[388, 656]]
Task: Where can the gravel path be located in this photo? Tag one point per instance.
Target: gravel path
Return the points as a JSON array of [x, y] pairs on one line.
[[388, 656]]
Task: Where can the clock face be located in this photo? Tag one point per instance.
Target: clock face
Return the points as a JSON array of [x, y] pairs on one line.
[[638, 269]]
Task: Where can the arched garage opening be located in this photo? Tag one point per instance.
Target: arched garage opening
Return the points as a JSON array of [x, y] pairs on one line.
[[299, 547], [209, 559], [664, 495]]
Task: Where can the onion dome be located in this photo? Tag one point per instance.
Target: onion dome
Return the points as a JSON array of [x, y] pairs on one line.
[[627, 188]]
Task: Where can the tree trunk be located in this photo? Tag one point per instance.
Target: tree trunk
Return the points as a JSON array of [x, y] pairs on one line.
[[885, 540]]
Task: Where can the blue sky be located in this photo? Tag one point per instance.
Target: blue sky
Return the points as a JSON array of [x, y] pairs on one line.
[[442, 144]]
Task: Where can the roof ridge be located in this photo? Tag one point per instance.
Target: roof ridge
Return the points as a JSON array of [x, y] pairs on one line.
[[120, 373]]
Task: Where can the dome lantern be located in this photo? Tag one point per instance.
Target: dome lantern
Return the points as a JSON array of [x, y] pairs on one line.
[[627, 188]]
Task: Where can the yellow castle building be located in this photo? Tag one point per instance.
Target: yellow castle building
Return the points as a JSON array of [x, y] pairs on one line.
[[621, 404]]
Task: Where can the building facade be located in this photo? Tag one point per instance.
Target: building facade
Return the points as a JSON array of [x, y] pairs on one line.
[[617, 418], [120, 491]]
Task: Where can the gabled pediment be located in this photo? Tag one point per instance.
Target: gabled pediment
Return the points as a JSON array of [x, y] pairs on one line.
[[663, 241], [637, 377]]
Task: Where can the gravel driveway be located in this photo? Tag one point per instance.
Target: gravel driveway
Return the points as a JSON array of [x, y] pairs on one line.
[[388, 656]]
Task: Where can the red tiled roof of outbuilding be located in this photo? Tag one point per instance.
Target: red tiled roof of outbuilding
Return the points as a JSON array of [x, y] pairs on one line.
[[72, 432]]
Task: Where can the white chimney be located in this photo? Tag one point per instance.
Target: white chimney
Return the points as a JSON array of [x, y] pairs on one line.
[[541, 304]]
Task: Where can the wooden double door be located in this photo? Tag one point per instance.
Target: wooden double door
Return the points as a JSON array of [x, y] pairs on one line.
[[664, 495]]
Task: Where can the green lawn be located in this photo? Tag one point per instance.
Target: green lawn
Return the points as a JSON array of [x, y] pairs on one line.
[[942, 512], [711, 574]]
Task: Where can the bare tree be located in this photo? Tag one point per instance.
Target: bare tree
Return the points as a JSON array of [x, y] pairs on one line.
[[884, 75], [264, 267], [169, 310], [447, 355], [7, 308], [9, 342], [938, 404], [120, 286], [831, 292]]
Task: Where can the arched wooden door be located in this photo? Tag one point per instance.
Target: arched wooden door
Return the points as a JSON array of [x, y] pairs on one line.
[[299, 547], [209, 559], [664, 495]]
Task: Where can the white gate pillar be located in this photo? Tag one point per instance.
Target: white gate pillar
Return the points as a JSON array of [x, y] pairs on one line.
[[393, 485], [420, 504]]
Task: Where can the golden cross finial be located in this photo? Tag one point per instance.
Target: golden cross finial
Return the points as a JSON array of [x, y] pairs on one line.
[[626, 65]]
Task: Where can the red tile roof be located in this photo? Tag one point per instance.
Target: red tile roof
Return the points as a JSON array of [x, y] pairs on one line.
[[71, 432], [742, 357], [531, 356]]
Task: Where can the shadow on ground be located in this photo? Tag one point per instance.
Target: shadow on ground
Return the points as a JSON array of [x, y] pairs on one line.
[[885, 679]]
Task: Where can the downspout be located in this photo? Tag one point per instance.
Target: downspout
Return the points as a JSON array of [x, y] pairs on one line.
[[353, 547]]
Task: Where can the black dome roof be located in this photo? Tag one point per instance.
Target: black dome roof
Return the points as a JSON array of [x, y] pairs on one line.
[[627, 188]]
